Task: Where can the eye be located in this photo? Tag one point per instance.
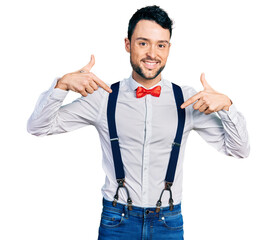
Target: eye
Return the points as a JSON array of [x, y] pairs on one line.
[[143, 44], [162, 45]]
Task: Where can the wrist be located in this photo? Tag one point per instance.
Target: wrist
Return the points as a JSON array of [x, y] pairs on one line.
[[61, 84], [228, 104]]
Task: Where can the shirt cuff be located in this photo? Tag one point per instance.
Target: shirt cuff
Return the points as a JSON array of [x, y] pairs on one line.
[[230, 115], [57, 93]]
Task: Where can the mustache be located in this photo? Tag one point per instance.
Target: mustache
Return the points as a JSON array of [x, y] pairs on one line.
[[151, 59]]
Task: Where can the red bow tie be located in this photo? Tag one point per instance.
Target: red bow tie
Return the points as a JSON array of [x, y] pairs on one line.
[[141, 92]]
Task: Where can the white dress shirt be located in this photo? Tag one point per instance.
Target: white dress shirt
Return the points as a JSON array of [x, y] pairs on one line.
[[146, 129]]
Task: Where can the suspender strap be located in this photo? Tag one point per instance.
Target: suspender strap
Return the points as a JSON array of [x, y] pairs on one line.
[[179, 99], [171, 169], [118, 165]]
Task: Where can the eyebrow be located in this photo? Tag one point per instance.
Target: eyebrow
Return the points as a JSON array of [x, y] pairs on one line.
[[145, 39]]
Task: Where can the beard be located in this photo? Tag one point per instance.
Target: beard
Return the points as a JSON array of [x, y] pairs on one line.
[[141, 73]]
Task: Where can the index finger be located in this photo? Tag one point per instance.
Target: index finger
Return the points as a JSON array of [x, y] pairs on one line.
[[101, 83], [191, 100]]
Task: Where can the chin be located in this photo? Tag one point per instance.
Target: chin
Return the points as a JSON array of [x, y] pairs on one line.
[[150, 77], [147, 74]]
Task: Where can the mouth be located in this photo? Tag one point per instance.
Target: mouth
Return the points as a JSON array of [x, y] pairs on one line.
[[150, 64]]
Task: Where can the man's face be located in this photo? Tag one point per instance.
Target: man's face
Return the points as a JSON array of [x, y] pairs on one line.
[[149, 49]]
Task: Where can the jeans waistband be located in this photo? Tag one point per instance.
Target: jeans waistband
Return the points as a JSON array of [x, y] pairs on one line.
[[140, 211]]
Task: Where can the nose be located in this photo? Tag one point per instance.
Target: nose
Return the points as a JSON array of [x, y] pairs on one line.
[[151, 52]]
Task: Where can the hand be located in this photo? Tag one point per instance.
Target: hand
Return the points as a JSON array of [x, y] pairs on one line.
[[208, 100], [82, 81]]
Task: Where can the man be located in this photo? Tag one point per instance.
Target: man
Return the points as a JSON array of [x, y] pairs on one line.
[[139, 138]]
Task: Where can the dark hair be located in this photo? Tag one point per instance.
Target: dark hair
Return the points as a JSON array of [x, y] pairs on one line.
[[153, 13]]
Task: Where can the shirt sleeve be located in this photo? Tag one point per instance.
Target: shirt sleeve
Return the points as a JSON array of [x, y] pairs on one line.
[[50, 117], [224, 130]]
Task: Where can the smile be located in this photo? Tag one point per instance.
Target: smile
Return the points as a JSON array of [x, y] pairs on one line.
[[150, 64]]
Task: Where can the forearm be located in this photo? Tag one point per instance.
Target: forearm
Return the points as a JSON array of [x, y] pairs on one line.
[[43, 120], [236, 141]]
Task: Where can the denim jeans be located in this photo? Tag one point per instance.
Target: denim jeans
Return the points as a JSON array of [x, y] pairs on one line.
[[118, 223]]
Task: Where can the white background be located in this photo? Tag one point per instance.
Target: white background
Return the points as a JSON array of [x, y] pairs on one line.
[[50, 187]]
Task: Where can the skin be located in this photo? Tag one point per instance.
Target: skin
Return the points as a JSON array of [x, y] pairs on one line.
[[149, 49], [208, 100], [82, 81]]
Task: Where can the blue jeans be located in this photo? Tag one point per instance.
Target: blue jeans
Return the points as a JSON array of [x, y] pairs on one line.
[[118, 223]]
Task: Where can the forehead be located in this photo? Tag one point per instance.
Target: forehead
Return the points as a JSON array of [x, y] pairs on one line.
[[151, 30]]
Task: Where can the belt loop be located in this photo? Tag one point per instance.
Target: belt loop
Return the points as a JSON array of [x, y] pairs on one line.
[[161, 213], [126, 211]]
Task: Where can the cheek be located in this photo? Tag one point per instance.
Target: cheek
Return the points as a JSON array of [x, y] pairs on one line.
[[133, 56], [164, 56], [136, 56]]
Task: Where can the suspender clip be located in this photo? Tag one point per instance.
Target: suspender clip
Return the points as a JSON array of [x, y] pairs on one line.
[[168, 185], [171, 206], [121, 184], [159, 202], [129, 201], [158, 206], [115, 201]]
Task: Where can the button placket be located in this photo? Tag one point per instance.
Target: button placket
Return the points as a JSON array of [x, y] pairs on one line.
[[148, 133]]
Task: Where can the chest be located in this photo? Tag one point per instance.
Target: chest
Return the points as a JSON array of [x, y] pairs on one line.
[[150, 119]]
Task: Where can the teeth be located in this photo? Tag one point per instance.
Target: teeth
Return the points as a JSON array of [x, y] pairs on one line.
[[151, 63]]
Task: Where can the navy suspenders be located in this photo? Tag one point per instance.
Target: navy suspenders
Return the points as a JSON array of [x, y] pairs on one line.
[[171, 169], [118, 165]]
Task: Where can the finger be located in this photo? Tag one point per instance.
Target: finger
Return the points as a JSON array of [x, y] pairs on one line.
[[88, 67], [83, 93], [204, 81], [203, 108], [89, 89], [208, 111], [93, 85], [191, 100], [198, 104], [101, 83]]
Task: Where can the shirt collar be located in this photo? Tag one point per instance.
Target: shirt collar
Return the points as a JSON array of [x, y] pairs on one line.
[[133, 84]]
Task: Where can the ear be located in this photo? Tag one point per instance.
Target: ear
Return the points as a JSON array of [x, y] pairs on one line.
[[127, 44]]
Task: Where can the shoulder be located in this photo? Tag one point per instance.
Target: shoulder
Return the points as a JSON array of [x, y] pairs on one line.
[[187, 91]]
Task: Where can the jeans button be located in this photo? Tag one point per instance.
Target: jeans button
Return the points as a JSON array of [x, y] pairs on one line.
[[147, 211]]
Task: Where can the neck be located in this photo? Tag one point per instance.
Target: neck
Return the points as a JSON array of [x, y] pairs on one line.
[[147, 83]]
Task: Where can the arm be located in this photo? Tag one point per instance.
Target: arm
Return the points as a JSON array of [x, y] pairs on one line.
[[226, 131], [50, 117], [218, 122]]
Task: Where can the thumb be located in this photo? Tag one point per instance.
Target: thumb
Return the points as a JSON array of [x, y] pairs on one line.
[[88, 67], [204, 82]]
